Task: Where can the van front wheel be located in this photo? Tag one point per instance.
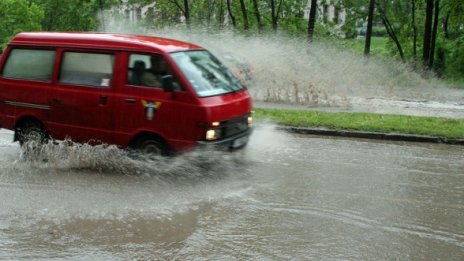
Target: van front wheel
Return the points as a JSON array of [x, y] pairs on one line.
[[152, 146]]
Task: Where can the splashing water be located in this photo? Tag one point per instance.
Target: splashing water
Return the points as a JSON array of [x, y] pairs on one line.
[[286, 70], [66, 156]]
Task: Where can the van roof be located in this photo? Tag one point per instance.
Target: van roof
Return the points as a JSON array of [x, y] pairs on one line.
[[103, 40]]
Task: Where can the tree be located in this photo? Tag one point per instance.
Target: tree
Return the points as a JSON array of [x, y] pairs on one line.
[[258, 15], [210, 10], [391, 31], [246, 25], [370, 17], [185, 9], [356, 13], [231, 14], [18, 16], [275, 10], [427, 33], [414, 29], [75, 15], [220, 14], [434, 33], [312, 20]]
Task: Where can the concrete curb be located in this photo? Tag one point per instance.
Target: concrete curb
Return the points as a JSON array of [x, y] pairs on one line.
[[371, 135]]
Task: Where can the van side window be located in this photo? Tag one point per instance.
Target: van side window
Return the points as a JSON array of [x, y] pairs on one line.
[[30, 64], [148, 71], [138, 65], [90, 69]]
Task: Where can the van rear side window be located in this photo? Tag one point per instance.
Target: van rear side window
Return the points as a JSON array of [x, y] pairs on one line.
[[90, 69], [30, 64]]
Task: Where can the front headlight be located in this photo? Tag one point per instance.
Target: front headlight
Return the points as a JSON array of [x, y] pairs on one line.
[[250, 120], [213, 134]]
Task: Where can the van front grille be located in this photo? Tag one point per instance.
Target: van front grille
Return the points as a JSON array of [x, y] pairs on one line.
[[234, 126]]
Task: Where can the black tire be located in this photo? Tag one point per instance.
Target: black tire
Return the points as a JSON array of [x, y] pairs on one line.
[[31, 131], [152, 145]]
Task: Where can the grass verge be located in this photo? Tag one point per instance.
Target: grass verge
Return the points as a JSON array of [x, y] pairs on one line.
[[378, 45], [384, 123]]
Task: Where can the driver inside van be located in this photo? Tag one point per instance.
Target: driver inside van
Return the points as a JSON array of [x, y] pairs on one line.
[[153, 76]]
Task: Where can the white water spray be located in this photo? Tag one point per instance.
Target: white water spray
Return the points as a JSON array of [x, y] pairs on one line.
[[286, 70]]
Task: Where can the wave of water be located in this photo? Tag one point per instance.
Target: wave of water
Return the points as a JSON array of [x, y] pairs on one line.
[[286, 69]]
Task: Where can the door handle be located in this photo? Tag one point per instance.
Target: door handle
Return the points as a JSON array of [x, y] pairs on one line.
[[130, 100], [55, 101], [103, 100]]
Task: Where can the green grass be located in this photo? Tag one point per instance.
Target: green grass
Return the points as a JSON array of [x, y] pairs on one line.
[[378, 45], [385, 123]]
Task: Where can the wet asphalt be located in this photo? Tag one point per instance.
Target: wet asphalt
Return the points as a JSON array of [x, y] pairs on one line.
[[285, 196]]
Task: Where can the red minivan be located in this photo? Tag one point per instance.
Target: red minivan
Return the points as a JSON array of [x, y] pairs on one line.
[[149, 93]]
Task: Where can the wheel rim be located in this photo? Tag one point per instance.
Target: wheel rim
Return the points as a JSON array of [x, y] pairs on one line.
[[152, 147], [31, 133]]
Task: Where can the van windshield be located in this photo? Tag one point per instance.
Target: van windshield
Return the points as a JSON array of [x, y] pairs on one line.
[[207, 75]]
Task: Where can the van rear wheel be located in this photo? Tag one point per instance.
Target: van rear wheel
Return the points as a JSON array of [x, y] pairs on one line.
[[31, 132], [31, 136]]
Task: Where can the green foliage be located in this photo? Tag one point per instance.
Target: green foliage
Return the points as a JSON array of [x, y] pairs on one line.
[[455, 66], [295, 26], [378, 45], [85, 15], [441, 127], [18, 16], [453, 41], [356, 14], [350, 29], [379, 31], [164, 15], [292, 17], [71, 15]]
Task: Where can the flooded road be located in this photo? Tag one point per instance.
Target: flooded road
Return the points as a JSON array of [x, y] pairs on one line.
[[284, 197]]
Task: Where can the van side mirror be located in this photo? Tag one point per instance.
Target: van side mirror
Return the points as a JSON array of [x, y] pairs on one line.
[[168, 85]]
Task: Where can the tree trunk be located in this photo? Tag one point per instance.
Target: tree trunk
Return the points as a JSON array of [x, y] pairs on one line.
[[445, 25], [185, 10], [232, 17], [414, 29], [258, 15], [427, 33], [370, 17], [275, 14], [187, 13], [273, 21], [312, 20], [210, 6], [246, 25], [221, 14], [391, 32], [100, 3], [434, 33]]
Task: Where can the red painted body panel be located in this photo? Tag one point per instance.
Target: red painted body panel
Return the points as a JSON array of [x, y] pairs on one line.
[[140, 43], [116, 114]]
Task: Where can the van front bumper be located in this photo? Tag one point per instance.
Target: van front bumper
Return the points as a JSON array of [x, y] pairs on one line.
[[232, 143]]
